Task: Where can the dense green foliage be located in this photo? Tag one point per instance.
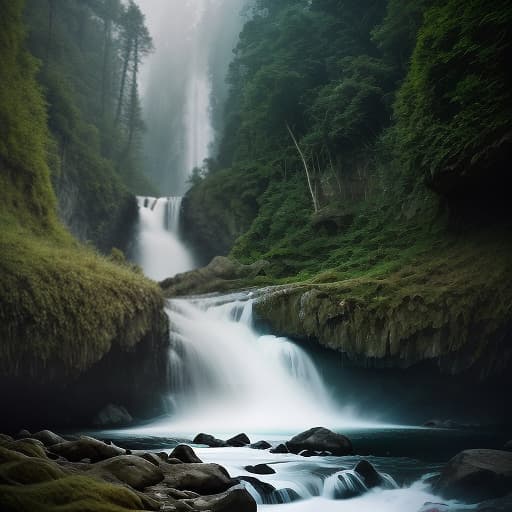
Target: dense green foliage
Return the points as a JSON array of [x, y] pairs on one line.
[[90, 53], [378, 94], [454, 110], [61, 305]]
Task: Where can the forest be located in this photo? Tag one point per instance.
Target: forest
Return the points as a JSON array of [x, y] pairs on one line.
[[341, 255]]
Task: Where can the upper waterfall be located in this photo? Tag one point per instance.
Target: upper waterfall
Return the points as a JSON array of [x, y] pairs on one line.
[[158, 248]]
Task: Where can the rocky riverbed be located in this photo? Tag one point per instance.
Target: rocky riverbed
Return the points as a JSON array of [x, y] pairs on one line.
[[43, 471]]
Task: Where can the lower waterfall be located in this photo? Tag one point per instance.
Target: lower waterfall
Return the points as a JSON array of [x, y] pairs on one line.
[[224, 376]]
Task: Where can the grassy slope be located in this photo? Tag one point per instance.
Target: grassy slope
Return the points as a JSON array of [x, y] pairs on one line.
[[60, 303]]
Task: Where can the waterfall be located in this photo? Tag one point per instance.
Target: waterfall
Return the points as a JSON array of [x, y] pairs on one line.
[[158, 248], [225, 377]]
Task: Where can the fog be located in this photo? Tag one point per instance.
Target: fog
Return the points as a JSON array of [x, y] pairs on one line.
[[183, 84]]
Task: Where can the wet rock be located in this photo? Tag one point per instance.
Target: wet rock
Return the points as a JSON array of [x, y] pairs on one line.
[[262, 488], [369, 474], [434, 507], [320, 439], [129, 469], [186, 454], [476, 475], [260, 469], [23, 434], [239, 441], [201, 478], [150, 457], [280, 448], [86, 448], [48, 438], [221, 274], [209, 440], [112, 416], [234, 500], [260, 445]]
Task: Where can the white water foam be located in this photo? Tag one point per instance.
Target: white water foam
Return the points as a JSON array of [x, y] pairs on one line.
[[159, 250]]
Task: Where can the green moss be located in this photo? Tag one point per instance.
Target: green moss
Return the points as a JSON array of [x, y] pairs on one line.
[[69, 494], [63, 306]]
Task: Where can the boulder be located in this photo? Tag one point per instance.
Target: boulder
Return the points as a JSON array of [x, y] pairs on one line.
[[320, 439], [48, 438], [150, 457], [209, 440], [23, 434], [434, 507], [86, 448], [280, 448], [260, 445], [112, 416], [129, 469], [368, 474], [239, 441], [234, 500], [29, 447], [476, 475], [5, 437], [260, 469], [201, 478], [264, 489], [221, 274], [186, 454]]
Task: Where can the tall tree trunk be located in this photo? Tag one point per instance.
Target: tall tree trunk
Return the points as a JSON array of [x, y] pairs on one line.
[[133, 96], [127, 53], [105, 78], [303, 158], [51, 15]]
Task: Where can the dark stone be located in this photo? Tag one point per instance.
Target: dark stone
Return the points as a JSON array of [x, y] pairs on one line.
[[508, 446], [186, 454], [476, 475], [129, 469], [209, 440], [112, 416], [320, 439], [221, 274], [23, 434], [234, 500], [48, 438], [262, 488], [239, 441], [369, 474], [280, 448], [150, 457], [201, 478], [434, 507], [260, 445], [86, 448], [260, 469]]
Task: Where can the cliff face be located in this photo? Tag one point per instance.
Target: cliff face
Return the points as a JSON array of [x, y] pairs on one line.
[[97, 209], [457, 322]]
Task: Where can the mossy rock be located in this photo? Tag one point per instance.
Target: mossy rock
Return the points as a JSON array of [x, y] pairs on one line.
[[28, 447], [29, 471], [69, 494]]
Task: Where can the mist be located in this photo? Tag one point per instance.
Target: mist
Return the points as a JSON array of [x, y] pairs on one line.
[[183, 84]]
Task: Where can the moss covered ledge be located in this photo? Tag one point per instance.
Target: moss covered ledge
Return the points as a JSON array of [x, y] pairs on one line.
[[451, 307]]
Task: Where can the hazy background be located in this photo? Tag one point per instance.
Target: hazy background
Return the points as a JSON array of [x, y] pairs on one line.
[[183, 84]]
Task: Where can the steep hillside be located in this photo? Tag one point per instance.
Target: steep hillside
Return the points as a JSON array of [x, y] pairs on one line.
[[63, 308], [365, 159]]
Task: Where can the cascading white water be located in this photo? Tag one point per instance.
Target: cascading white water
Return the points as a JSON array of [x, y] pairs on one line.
[[224, 376], [158, 249]]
